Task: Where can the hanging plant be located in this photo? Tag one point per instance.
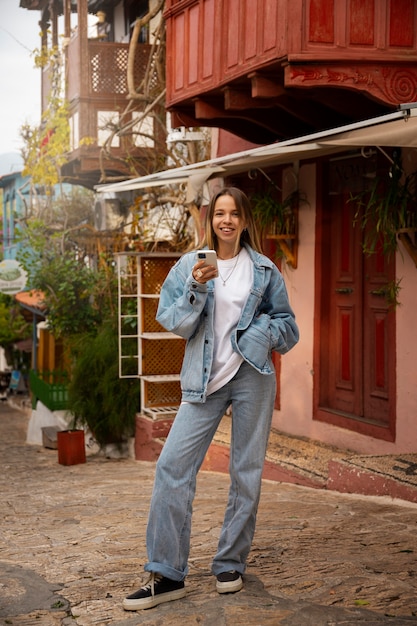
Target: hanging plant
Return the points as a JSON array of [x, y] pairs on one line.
[[387, 208], [273, 216]]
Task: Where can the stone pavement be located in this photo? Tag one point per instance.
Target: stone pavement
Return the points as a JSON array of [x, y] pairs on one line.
[[72, 546]]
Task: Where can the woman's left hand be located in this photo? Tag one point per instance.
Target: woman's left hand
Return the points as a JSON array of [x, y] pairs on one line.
[[203, 273]]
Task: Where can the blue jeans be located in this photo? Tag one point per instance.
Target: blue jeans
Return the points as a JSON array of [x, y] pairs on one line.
[[169, 525]]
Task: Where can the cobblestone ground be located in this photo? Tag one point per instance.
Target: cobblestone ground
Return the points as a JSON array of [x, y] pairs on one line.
[[72, 545]]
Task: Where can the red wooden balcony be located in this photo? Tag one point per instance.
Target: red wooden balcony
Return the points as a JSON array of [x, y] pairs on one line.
[[271, 69]]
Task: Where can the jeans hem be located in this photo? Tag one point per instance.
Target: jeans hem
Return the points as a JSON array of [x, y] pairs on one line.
[[166, 570], [221, 568]]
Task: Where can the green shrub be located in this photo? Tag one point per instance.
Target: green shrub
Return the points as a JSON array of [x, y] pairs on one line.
[[97, 396]]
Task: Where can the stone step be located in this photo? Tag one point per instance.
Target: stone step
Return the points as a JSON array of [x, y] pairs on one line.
[[313, 464], [387, 475]]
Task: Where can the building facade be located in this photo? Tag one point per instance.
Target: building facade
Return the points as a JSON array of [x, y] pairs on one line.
[[269, 71], [311, 76]]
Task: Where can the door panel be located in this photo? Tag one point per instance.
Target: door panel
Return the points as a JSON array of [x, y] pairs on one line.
[[345, 329], [378, 347]]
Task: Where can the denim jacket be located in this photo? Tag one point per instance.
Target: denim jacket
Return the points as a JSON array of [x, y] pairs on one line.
[[267, 321]]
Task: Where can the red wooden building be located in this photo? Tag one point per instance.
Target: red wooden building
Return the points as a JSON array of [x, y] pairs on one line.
[[270, 70]]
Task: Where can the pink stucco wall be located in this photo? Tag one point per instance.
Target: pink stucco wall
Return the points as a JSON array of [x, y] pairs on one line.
[[297, 376]]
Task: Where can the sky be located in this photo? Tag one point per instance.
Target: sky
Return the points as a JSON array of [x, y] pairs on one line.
[[20, 81]]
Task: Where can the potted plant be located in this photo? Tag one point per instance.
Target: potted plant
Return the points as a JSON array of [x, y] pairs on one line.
[[97, 397], [278, 220], [275, 217]]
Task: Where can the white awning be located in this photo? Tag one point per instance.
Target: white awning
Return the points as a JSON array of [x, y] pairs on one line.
[[167, 177], [398, 129], [400, 133]]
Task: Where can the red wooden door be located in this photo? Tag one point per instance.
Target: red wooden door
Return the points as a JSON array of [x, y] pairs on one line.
[[356, 347]]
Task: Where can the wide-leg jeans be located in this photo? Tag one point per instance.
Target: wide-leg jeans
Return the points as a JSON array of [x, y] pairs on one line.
[[169, 525]]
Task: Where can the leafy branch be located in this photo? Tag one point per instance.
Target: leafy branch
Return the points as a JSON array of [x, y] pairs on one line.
[[46, 147]]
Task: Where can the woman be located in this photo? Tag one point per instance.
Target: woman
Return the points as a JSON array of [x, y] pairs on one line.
[[232, 319]]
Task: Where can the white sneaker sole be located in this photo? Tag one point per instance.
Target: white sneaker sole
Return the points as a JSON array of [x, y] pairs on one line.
[[230, 587], [149, 603]]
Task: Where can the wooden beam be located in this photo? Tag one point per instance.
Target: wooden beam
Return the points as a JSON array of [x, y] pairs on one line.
[[263, 87], [180, 118], [237, 100], [208, 111], [67, 18], [82, 42]]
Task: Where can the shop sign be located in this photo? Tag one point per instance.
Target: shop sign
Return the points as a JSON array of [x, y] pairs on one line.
[[13, 277]]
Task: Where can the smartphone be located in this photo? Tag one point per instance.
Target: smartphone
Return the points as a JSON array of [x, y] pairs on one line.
[[209, 256]]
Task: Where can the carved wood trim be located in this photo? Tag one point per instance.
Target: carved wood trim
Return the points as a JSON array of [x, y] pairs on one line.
[[388, 84]]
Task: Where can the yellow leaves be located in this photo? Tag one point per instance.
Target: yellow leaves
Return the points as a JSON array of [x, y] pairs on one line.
[[46, 148]]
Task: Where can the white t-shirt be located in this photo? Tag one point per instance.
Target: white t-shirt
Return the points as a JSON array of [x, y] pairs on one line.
[[230, 294]]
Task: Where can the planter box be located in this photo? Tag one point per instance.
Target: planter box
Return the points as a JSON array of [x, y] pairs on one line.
[[71, 447]]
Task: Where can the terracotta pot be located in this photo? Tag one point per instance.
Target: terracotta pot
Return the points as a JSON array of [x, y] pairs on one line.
[[71, 447]]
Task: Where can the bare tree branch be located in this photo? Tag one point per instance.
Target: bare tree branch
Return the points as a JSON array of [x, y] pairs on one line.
[[140, 22]]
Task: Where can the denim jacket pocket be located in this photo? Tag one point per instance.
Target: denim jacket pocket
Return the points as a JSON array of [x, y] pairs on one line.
[[255, 343]]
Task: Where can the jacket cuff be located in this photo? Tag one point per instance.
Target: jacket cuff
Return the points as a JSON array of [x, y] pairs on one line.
[[195, 286]]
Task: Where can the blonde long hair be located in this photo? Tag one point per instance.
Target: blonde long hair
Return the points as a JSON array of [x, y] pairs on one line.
[[248, 235]]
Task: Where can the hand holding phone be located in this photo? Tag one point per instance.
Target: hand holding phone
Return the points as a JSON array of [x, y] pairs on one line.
[[208, 256], [206, 267]]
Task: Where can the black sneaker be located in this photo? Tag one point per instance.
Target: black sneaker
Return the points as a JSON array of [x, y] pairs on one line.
[[157, 590], [229, 582]]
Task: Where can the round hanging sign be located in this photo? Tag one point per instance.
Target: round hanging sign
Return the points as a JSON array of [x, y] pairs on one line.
[[12, 277]]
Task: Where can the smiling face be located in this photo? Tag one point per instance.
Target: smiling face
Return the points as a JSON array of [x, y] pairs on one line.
[[227, 224]]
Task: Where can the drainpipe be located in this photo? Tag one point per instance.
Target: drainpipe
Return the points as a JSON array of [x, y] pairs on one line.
[[35, 343]]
